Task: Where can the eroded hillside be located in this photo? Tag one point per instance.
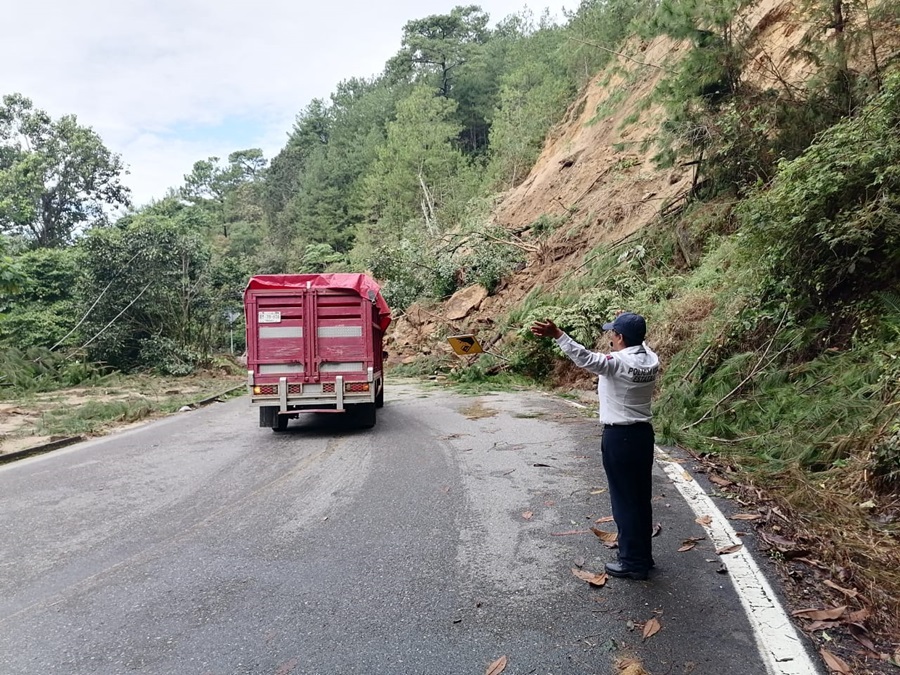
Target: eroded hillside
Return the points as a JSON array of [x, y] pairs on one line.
[[597, 177]]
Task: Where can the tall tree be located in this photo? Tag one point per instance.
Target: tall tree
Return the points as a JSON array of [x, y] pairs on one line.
[[55, 175], [211, 184], [438, 45], [414, 170], [161, 305]]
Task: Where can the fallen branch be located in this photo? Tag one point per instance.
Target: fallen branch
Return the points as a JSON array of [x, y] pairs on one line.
[[697, 363], [506, 242]]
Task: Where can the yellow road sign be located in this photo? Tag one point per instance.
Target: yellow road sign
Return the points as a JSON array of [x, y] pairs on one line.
[[465, 345]]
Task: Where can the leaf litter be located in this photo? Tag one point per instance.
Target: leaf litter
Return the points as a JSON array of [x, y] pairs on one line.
[[651, 628], [497, 666], [598, 580], [609, 539]]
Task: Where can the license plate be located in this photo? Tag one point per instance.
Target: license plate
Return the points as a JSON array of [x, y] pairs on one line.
[[270, 317]]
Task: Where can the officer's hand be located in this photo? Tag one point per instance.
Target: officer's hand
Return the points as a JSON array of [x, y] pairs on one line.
[[546, 328]]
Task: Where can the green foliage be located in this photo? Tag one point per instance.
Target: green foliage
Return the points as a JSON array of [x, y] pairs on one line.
[[853, 33], [532, 96], [829, 225], [44, 311], [786, 412], [414, 172], [12, 277], [596, 29], [321, 258], [487, 264], [435, 47], [55, 175], [37, 324], [712, 69], [37, 369], [483, 377], [155, 272], [168, 357], [51, 274], [886, 460]]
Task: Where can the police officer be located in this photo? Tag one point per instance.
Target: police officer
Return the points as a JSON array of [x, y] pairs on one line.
[[627, 377]]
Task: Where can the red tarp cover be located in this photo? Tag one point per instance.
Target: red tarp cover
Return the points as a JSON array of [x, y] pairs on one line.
[[360, 283]]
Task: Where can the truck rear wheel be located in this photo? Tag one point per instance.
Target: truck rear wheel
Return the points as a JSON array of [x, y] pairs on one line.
[[364, 415], [280, 422]]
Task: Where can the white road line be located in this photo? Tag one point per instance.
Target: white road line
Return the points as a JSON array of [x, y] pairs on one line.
[[776, 638]]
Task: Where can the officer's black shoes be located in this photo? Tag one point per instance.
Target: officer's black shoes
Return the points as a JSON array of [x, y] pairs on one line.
[[617, 569]]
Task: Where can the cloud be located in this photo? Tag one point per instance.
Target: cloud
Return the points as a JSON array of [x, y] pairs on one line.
[[163, 82]]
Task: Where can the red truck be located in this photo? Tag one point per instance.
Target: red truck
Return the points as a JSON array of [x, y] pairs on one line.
[[314, 344]]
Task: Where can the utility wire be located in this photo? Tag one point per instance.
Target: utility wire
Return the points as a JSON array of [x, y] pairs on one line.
[[116, 316], [91, 309]]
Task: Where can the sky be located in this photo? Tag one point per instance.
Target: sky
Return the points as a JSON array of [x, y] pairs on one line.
[[168, 82]]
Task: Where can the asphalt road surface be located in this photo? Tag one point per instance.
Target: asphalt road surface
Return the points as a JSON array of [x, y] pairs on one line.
[[437, 542]]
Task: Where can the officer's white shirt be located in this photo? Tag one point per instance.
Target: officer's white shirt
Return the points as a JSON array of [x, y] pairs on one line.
[[626, 382]]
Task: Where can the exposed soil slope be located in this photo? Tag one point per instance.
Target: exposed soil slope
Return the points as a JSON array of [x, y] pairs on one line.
[[597, 172]]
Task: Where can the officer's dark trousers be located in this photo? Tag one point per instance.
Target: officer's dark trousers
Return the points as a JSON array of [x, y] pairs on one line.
[[628, 461]]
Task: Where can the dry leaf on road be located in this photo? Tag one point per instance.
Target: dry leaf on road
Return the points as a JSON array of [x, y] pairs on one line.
[[721, 482], [630, 667], [528, 515], [656, 530], [604, 519], [496, 667], [568, 532], [651, 628], [689, 543], [730, 549], [609, 539], [746, 516], [703, 520], [835, 663], [593, 579]]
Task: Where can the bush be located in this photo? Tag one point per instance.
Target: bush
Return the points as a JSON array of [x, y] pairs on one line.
[[829, 227], [167, 357]]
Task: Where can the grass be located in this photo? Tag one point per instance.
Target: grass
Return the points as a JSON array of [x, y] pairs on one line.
[[94, 416], [115, 400]]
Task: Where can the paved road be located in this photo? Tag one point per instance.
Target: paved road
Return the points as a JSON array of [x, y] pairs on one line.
[[204, 544]]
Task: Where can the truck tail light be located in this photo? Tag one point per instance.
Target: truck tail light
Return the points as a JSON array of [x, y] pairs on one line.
[[266, 389], [356, 386]]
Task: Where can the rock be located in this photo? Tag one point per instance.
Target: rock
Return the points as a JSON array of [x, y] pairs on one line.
[[185, 408], [464, 301]]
